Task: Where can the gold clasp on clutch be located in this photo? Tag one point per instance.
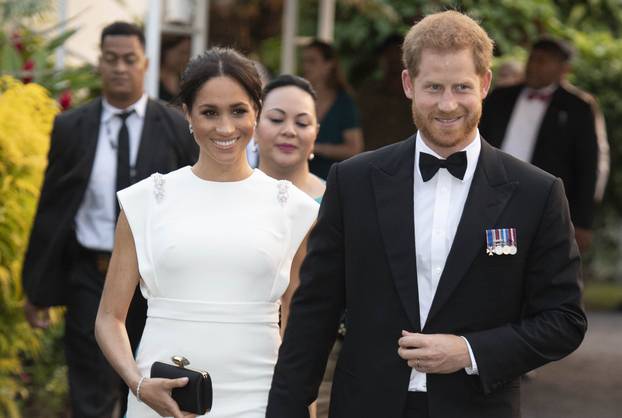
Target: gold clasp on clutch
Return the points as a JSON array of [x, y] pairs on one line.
[[180, 361]]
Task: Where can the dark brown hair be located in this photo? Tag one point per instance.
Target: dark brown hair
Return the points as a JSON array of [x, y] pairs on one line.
[[336, 80], [287, 80], [216, 62]]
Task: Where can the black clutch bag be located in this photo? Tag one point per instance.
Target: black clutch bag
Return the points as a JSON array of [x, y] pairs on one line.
[[196, 396]]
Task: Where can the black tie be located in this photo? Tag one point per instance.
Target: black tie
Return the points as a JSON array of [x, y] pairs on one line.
[[456, 164], [123, 155]]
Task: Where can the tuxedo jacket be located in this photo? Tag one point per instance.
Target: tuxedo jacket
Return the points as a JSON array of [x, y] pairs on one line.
[[518, 312], [566, 144], [165, 145]]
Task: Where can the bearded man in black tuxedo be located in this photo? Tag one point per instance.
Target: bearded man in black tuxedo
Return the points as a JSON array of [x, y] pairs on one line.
[[456, 262], [97, 149]]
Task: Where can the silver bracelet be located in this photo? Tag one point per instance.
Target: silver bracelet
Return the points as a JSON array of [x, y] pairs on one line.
[[140, 382]]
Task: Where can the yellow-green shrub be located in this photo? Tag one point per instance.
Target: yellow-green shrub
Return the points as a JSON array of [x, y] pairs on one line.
[[26, 116]]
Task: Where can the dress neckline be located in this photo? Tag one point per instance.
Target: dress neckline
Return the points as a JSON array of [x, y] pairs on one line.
[[198, 179]]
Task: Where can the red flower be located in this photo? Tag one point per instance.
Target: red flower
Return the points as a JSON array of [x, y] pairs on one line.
[[16, 40], [28, 68], [64, 99]]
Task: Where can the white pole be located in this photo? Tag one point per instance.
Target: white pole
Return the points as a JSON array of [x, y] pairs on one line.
[[326, 21], [201, 26], [59, 61], [152, 35], [290, 31]]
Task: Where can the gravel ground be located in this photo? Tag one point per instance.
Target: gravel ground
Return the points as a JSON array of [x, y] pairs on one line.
[[586, 384]]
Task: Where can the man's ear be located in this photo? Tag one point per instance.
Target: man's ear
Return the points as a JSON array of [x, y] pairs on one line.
[[407, 84], [486, 80]]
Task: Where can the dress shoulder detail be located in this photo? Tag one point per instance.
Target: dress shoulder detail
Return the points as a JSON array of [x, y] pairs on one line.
[[282, 191], [158, 187]]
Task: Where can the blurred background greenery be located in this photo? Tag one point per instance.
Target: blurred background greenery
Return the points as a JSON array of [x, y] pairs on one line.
[[32, 371]]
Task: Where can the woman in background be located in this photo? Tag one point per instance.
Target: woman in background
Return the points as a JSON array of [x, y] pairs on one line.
[[285, 137], [286, 133], [174, 56], [340, 134]]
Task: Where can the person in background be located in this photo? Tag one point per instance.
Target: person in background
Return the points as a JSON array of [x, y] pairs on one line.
[[509, 73], [385, 111], [286, 133], [545, 122], [285, 136], [340, 135], [174, 56], [106, 145]]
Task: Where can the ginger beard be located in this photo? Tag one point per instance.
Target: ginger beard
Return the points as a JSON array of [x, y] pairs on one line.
[[460, 129]]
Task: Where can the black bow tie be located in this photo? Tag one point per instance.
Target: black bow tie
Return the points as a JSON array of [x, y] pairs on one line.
[[456, 164]]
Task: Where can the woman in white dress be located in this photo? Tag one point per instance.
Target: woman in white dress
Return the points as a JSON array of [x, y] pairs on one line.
[[212, 247]]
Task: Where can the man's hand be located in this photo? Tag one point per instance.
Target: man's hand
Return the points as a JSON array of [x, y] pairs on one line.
[[584, 239], [434, 353], [37, 317]]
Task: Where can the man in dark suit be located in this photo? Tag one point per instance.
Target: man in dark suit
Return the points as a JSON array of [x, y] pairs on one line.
[[456, 263], [547, 122], [96, 149]]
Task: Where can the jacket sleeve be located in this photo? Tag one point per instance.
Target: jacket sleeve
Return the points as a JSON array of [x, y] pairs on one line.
[[552, 323], [44, 227], [314, 314], [586, 156]]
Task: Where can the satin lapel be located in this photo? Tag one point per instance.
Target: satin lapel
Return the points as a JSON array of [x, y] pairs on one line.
[[89, 132], [393, 189], [152, 131], [490, 191]]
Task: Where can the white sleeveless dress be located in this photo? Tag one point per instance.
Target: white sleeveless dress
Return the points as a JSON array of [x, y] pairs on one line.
[[214, 260]]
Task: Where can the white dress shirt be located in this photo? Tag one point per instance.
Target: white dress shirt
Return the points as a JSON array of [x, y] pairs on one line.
[[522, 131], [438, 205], [95, 219]]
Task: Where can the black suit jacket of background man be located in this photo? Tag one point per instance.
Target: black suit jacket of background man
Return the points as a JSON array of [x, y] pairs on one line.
[[518, 312], [566, 144]]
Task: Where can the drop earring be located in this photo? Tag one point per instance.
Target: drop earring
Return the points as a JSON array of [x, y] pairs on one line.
[[190, 129]]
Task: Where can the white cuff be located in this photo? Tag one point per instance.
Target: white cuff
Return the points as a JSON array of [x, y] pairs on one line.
[[473, 369]]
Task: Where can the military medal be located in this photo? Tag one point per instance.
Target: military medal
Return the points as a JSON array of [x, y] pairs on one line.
[[501, 241]]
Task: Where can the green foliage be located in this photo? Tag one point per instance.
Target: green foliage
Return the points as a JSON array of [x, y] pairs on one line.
[[30, 56]]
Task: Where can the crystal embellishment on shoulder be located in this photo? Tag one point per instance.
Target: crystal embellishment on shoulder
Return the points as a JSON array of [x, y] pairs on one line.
[[283, 192], [158, 187]]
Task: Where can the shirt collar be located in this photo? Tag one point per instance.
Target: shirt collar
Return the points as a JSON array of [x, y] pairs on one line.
[[472, 152], [139, 106], [550, 89]]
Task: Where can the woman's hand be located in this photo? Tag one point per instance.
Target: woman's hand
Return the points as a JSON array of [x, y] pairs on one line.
[[157, 394]]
